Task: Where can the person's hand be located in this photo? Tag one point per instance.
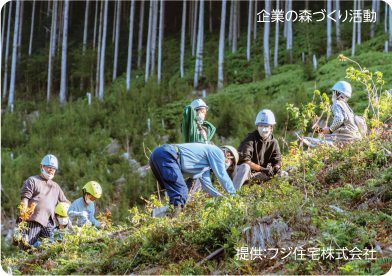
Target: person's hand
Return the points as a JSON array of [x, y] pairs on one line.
[[326, 130], [85, 214], [103, 224], [276, 169], [267, 171]]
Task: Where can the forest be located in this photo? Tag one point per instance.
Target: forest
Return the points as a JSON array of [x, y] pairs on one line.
[[100, 84]]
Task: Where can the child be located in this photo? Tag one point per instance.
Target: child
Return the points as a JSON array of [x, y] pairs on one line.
[[62, 221], [82, 210]]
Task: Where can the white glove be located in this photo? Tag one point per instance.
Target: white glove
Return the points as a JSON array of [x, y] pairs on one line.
[[85, 214]]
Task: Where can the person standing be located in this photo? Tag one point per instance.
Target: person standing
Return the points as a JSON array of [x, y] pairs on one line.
[[45, 194]]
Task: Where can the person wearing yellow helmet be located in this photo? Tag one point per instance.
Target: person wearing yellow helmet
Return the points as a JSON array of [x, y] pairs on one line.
[[82, 210], [62, 221]]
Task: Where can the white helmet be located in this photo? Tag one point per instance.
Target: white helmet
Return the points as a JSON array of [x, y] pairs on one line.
[[343, 87], [199, 103], [265, 117], [234, 154], [50, 161]]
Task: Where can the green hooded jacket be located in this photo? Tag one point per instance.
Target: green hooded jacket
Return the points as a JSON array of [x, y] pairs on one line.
[[189, 127]]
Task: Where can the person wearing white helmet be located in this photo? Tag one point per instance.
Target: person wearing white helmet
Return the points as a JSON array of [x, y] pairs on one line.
[[195, 128], [257, 151], [344, 126], [45, 194]]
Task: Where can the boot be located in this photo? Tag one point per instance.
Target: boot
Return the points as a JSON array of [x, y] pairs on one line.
[[176, 211]]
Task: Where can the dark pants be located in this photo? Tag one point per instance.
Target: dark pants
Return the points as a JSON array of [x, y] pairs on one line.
[[36, 231], [167, 170]]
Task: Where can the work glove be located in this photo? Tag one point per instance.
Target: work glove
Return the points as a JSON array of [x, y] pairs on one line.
[[276, 169], [267, 171], [85, 215]]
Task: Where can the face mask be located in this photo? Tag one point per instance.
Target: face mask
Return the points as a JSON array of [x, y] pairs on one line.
[[63, 221], [88, 201], [333, 97], [45, 174], [264, 131], [200, 117], [227, 165]]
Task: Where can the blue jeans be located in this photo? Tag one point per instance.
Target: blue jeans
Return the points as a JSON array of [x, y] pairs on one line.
[[167, 170]]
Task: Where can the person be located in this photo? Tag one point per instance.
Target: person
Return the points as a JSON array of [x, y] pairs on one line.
[[82, 210], [259, 149], [43, 193], [169, 162], [194, 126], [344, 128], [196, 129], [62, 221]]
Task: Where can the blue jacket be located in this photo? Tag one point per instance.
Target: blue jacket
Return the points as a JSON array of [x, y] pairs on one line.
[[196, 161], [75, 213]]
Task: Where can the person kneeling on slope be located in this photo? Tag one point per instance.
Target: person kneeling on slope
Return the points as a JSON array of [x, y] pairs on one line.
[[169, 163], [257, 150], [82, 210]]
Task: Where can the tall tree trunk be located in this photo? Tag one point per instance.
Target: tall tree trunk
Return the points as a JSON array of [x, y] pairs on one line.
[[372, 24], [378, 5], [249, 30], [235, 25], [338, 24], [390, 26], [194, 41], [6, 51], [32, 29], [210, 16], [64, 55], [14, 50], [150, 21], [129, 63], [238, 13], [154, 37], [290, 32], [182, 50], [359, 25], [99, 50], [190, 27], [85, 27], [266, 40], [231, 19], [117, 39], [255, 22], [102, 60], [114, 21], [61, 24], [20, 28], [139, 47], [95, 24], [221, 46], [286, 23], [201, 45], [329, 29], [354, 32], [386, 18], [2, 30], [276, 38], [54, 14], [199, 42], [51, 50], [160, 42]]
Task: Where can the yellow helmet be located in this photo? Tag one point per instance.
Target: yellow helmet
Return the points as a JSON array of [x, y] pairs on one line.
[[62, 209], [93, 188]]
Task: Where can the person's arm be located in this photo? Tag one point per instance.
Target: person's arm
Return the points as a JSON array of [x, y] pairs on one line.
[[206, 184], [210, 129], [94, 221], [245, 152], [26, 193], [338, 117], [216, 160], [276, 158], [62, 197], [73, 212]]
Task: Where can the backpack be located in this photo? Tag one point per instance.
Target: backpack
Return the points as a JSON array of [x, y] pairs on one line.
[[359, 121]]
